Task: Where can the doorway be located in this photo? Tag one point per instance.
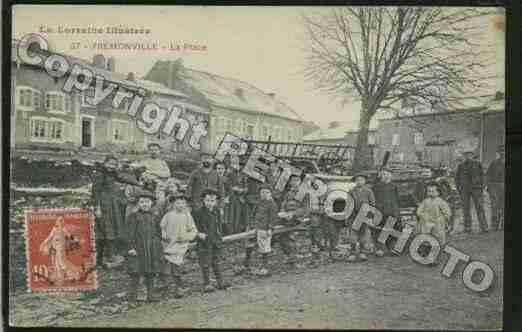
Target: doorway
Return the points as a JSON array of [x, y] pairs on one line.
[[87, 132]]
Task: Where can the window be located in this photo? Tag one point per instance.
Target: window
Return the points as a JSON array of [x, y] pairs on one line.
[[400, 157], [371, 139], [230, 125], [28, 98], [47, 130], [57, 102], [265, 132], [395, 139], [249, 131], [120, 131], [418, 139], [239, 127], [89, 92]]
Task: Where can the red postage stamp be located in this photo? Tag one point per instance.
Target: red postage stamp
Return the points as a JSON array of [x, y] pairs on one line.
[[60, 250]]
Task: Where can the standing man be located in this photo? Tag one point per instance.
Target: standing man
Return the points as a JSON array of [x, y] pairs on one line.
[[201, 179], [495, 178], [470, 183]]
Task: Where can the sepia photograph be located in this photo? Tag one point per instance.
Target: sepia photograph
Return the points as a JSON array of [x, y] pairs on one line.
[[256, 167]]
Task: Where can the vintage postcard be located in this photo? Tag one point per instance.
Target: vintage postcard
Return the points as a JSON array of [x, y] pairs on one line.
[[289, 167]]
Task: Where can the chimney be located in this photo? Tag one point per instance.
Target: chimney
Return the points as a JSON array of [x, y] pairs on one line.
[[271, 94], [239, 92], [98, 61], [130, 77], [111, 64]]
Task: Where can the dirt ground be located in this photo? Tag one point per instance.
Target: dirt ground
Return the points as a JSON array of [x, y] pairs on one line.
[[386, 293]]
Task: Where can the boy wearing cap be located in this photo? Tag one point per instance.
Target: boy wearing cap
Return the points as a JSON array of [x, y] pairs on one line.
[[208, 223], [263, 218], [292, 211], [144, 246], [177, 231], [361, 194]]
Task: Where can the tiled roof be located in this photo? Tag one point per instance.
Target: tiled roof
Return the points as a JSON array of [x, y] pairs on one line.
[[235, 94], [224, 92]]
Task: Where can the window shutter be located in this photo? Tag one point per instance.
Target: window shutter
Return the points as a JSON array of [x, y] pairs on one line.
[[47, 101], [110, 135], [36, 100], [67, 102]]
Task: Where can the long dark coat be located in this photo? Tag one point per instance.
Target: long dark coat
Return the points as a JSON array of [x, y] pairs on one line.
[[236, 211], [108, 194], [386, 198], [145, 238], [208, 222], [469, 176]]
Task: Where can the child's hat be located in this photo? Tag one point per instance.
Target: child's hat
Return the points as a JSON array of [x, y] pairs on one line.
[[265, 186], [145, 193], [154, 144], [362, 175], [209, 191], [179, 195]]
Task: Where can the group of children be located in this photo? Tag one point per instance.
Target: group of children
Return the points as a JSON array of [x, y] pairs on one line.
[[158, 243], [159, 246]]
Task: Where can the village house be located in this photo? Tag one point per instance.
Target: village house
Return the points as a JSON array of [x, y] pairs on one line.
[[236, 107], [438, 138], [45, 117], [341, 133]]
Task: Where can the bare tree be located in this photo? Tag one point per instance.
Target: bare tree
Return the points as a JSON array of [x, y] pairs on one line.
[[387, 57]]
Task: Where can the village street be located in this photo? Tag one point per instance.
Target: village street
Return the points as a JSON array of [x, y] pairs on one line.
[[391, 293]]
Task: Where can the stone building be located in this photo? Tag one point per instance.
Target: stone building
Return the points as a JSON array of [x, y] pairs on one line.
[[44, 117], [235, 106], [438, 138]]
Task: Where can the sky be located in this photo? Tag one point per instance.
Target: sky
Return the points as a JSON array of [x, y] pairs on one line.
[[260, 45]]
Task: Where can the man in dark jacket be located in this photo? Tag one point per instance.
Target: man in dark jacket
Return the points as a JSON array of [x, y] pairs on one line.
[[208, 221], [495, 178], [387, 202], [470, 183], [202, 178]]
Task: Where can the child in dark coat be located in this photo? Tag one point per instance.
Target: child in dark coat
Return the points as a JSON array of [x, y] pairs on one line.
[[144, 246], [208, 222], [387, 202], [361, 194], [263, 218]]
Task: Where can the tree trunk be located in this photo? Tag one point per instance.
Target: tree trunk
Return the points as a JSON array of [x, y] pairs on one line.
[[362, 158]]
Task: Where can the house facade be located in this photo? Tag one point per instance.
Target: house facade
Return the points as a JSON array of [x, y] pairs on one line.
[[342, 133], [236, 106], [45, 117], [438, 139]]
